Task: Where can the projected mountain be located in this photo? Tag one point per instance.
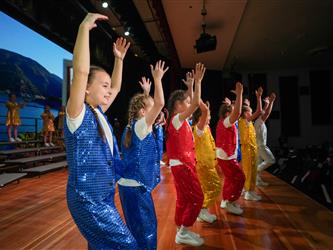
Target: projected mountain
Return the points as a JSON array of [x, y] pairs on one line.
[[27, 78]]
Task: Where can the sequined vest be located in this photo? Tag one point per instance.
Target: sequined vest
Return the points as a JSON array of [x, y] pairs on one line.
[[141, 160], [247, 133], [93, 170], [204, 147], [159, 135], [180, 144], [226, 138]]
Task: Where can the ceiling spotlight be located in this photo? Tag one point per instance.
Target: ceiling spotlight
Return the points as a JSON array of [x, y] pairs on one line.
[[126, 33], [105, 5]]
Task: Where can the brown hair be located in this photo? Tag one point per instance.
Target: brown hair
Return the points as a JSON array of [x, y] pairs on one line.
[[244, 109], [137, 102], [224, 108], [196, 116], [177, 95], [93, 69]]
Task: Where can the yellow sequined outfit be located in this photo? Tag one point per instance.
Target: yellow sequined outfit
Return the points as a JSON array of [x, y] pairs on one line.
[[48, 125], [249, 153], [206, 166], [13, 114]]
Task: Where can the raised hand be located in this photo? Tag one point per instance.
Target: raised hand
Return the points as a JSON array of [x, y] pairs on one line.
[[89, 21], [120, 47], [227, 100], [189, 80], [266, 100], [272, 97], [259, 92], [158, 71], [145, 84], [199, 72], [239, 88]]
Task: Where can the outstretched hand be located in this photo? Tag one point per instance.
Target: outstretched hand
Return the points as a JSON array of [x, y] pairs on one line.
[[199, 72], [159, 70], [189, 80], [90, 20], [272, 97], [227, 100], [145, 84], [239, 88], [120, 47], [259, 92]]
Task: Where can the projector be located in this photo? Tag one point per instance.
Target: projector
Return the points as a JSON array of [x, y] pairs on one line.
[[205, 43]]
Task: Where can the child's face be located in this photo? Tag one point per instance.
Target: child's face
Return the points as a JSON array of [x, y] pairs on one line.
[[182, 106], [248, 114], [99, 91]]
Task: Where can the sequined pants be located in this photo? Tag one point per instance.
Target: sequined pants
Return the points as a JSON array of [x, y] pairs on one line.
[[189, 194], [249, 164], [100, 223], [233, 179], [210, 183], [140, 216]]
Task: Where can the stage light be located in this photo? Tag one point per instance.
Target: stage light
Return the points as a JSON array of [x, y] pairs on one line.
[[105, 5], [126, 33]]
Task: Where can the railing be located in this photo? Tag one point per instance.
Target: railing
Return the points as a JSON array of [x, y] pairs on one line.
[[32, 125]]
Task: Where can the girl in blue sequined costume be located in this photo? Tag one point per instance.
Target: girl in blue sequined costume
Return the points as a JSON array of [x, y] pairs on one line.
[[142, 163], [92, 152]]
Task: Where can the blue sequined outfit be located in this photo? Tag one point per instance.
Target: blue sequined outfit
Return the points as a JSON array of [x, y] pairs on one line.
[[159, 135], [142, 163], [239, 153], [91, 187]]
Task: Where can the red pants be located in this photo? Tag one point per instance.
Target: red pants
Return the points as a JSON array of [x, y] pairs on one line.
[[234, 179], [189, 195]]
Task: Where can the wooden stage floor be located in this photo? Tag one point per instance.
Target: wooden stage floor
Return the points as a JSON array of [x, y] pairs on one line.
[[34, 215]]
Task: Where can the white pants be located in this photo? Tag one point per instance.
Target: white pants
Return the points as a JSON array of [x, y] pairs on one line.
[[265, 158]]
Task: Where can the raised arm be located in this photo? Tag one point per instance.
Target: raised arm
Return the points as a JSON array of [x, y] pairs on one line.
[[203, 120], [81, 64], [268, 110], [238, 103], [120, 48], [157, 72], [189, 84], [198, 74], [259, 92], [145, 84]]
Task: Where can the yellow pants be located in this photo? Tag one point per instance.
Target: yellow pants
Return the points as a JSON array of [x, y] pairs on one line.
[[210, 183], [249, 164]]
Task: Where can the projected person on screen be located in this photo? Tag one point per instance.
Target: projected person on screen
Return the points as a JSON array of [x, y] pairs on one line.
[[13, 118]]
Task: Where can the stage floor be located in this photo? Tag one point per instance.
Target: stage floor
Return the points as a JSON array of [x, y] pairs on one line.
[[34, 215]]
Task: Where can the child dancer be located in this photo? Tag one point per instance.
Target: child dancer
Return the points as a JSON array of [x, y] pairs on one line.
[[206, 160], [265, 156], [180, 150], [92, 151], [158, 131], [48, 126], [249, 147], [61, 118], [13, 118], [141, 161], [226, 152]]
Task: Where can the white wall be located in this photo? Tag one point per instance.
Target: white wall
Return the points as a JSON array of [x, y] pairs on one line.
[[309, 134]]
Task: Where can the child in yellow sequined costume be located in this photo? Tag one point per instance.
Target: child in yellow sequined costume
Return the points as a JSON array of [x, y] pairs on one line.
[[206, 160], [48, 126], [249, 147], [13, 118]]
